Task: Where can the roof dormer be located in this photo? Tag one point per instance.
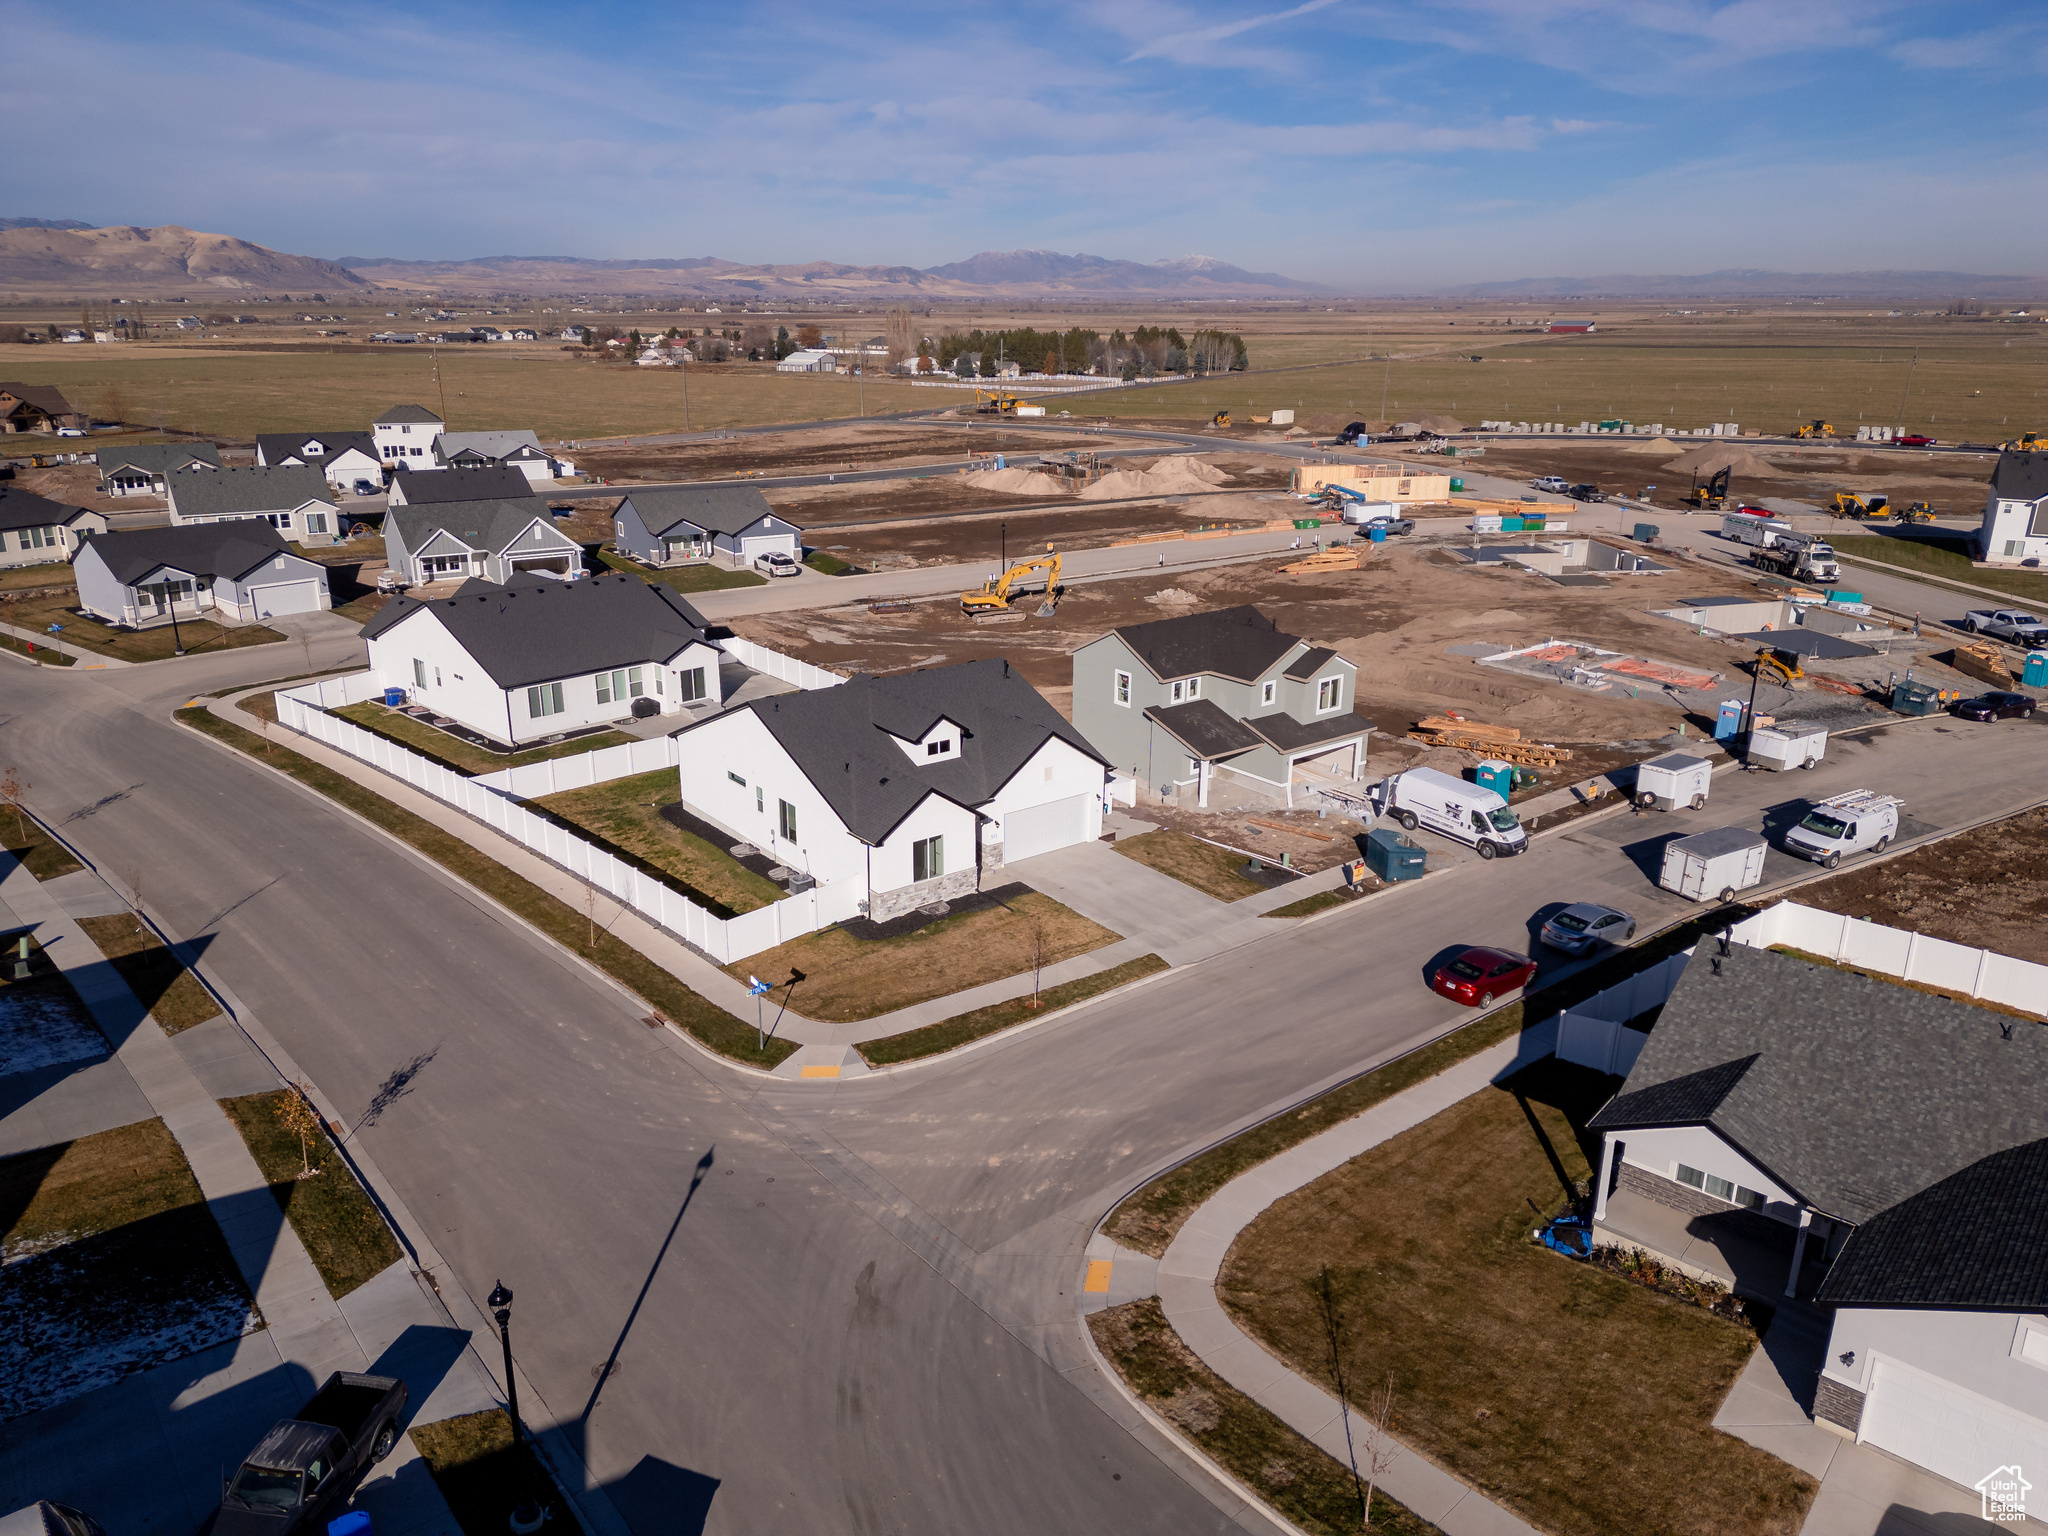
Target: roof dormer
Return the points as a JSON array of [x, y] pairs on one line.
[[940, 744]]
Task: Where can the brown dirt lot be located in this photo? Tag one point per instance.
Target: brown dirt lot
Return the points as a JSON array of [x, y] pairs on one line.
[[821, 451], [1986, 888]]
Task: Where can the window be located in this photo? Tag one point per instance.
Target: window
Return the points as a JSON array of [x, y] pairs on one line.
[[1121, 690], [623, 684], [938, 748], [1329, 693], [419, 673], [1720, 1189], [546, 699], [693, 687], [928, 858], [316, 522], [785, 820], [1180, 691], [38, 538], [757, 799], [1268, 692], [437, 677], [736, 778], [1194, 687]]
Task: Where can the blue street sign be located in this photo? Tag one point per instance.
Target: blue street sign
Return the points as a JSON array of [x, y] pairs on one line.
[[756, 986]]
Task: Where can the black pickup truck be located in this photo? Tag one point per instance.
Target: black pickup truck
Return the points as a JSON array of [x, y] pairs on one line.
[[306, 1469]]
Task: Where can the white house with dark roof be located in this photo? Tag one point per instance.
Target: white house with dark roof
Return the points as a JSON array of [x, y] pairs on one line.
[[140, 469], [2015, 528], [1178, 701], [349, 460], [494, 540], [519, 450], [405, 435], [689, 524], [532, 658], [496, 482], [238, 571], [1879, 1149], [37, 531], [920, 786], [296, 500]]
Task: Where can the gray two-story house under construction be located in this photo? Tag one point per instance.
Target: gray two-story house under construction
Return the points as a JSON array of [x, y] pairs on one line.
[[1178, 702]]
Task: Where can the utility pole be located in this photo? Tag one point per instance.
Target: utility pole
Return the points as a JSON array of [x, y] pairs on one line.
[[1901, 427], [1385, 381]]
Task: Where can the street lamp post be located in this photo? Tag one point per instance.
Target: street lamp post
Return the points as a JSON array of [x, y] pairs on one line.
[[527, 1516], [1756, 676]]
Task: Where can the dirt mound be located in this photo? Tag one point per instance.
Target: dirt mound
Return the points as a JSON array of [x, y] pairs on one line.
[[1173, 597], [1017, 482], [1440, 423], [1663, 445], [1168, 477], [1712, 458]]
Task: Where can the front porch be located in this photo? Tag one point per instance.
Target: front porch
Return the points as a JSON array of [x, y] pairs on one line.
[[1749, 1253]]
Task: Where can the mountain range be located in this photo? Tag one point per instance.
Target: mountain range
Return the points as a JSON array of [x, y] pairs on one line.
[[49, 259], [1748, 283]]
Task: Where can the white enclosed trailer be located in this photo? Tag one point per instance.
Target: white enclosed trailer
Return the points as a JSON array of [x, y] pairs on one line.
[[1713, 866], [1675, 779], [1787, 744]]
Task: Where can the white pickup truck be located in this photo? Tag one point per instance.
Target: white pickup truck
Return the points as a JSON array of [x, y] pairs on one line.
[[2009, 624]]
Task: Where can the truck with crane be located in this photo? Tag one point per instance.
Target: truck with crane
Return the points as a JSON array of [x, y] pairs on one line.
[[1800, 556]]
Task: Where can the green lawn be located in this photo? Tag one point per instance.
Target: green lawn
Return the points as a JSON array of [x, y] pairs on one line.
[[1211, 870], [15, 577], [452, 751], [156, 976], [850, 978], [624, 815], [1945, 559], [1576, 1398], [686, 578], [340, 1226], [197, 635], [707, 1022], [470, 1459], [963, 1028], [39, 653], [829, 565]]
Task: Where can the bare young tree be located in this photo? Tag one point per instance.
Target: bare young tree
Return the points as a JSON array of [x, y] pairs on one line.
[[899, 334], [12, 787], [1331, 1314], [1380, 1447], [1038, 943], [296, 1113]]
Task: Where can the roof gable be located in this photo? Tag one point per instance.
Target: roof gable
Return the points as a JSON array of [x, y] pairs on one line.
[[276, 448], [156, 458], [727, 509], [275, 488], [229, 550], [491, 525], [406, 415], [25, 509], [2021, 476], [1240, 643], [433, 487]]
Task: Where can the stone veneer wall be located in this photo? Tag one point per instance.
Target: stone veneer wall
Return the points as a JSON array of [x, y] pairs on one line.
[[1838, 1407], [883, 905]]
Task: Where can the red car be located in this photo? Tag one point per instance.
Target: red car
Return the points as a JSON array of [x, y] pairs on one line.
[[1913, 440], [1478, 976]]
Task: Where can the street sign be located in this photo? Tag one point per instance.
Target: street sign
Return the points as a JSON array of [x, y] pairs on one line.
[[756, 986]]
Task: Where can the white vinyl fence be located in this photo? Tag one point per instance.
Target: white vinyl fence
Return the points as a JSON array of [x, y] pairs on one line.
[[1978, 973], [304, 709], [584, 769], [774, 664], [1595, 1033]]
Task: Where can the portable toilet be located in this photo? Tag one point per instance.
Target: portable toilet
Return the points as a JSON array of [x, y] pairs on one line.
[[1495, 775], [1457, 485], [1377, 533], [1728, 723], [1393, 855], [2035, 673]]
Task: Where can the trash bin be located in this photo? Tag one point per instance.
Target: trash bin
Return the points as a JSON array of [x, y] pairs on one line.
[[1393, 855], [1646, 533], [2035, 673], [1916, 698], [1496, 776], [394, 698]]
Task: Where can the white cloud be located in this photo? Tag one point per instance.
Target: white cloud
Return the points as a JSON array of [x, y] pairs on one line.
[[1196, 45]]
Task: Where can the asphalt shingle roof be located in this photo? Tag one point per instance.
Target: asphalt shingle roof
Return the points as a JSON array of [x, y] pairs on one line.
[[407, 415], [219, 492], [492, 445], [231, 550], [2018, 477], [841, 738], [535, 631], [156, 458], [1307, 664], [715, 508], [46, 398], [1238, 642], [276, 447], [1292, 735], [25, 509], [1978, 1239], [1858, 1093], [1203, 728], [491, 525], [436, 487]]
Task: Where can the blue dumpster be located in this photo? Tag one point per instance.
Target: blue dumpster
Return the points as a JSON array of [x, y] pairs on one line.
[[1392, 855], [2035, 673], [394, 698]]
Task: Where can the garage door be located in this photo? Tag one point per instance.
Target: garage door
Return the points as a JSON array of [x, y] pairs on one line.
[[1952, 1433], [286, 597], [1042, 828]]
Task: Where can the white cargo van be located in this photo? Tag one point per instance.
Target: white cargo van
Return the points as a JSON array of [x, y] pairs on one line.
[[1748, 528], [1854, 822], [1479, 818]]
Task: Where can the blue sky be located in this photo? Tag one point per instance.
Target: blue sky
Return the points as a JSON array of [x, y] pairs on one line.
[[1379, 147]]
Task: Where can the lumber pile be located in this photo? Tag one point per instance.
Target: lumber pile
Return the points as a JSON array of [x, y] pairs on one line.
[[1498, 741], [1323, 560], [1984, 662]]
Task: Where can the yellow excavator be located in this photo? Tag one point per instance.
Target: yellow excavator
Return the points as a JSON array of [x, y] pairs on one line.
[[2026, 442], [992, 599], [1817, 428], [1711, 494], [1862, 508], [995, 402]]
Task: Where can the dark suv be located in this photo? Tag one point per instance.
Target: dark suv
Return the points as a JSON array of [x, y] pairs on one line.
[[1586, 493], [1994, 706]]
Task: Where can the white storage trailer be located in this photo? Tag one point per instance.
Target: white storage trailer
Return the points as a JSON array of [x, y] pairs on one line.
[[1675, 779], [1787, 744], [1713, 866], [1748, 528]]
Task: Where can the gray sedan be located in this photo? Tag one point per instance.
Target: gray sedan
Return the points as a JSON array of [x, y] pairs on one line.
[[1584, 925]]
